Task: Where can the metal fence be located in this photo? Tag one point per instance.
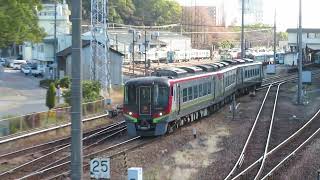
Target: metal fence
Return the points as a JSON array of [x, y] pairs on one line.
[[19, 124]]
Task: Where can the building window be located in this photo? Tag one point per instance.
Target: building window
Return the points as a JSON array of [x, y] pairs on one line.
[[311, 35]]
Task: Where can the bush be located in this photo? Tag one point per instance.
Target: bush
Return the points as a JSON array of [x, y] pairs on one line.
[[51, 96], [65, 82], [46, 82], [90, 92]]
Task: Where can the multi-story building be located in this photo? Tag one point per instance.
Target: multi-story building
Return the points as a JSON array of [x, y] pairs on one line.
[[43, 52], [310, 43], [253, 13]]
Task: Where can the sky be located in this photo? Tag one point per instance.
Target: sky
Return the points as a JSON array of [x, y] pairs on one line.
[[287, 11]]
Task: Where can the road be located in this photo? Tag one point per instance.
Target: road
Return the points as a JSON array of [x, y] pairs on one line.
[[20, 94]]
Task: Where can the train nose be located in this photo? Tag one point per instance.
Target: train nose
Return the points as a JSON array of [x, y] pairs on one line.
[[144, 125]]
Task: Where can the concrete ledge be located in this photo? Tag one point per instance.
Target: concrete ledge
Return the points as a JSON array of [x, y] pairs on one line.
[[45, 135]]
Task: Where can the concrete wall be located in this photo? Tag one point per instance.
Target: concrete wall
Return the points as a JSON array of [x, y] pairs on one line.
[[292, 39], [115, 69], [290, 58]]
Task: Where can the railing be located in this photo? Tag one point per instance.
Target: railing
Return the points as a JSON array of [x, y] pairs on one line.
[[20, 124]]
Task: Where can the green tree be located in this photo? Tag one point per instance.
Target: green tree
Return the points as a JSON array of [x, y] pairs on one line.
[[51, 96], [19, 22], [157, 12], [90, 92], [226, 44], [282, 36], [139, 12]]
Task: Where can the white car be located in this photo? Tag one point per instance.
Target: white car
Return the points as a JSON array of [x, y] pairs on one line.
[[2, 61], [26, 69]]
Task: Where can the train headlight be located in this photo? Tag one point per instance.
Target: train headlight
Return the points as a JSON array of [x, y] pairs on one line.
[[160, 114], [130, 113]]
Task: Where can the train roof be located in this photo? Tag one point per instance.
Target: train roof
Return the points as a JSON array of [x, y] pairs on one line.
[[191, 69], [206, 68], [180, 72], [240, 60], [219, 65], [147, 81], [170, 72]]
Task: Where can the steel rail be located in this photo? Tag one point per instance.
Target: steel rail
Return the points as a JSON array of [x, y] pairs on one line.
[[281, 145], [86, 156], [57, 150], [291, 154], [269, 135], [241, 157], [39, 147], [86, 147]]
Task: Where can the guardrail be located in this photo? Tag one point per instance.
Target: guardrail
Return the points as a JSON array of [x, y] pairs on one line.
[[20, 124]]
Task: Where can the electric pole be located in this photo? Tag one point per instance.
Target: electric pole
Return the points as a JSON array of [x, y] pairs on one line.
[[133, 41], [275, 36], [300, 57], [145, 52], [55, 69], [76, 92], [242, 30]]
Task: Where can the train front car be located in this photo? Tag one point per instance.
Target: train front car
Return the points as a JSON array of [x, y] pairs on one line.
[[147, 104]]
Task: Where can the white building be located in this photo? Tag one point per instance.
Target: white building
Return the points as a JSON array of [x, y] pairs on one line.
[[122, 40], [43, 53], [253, 13], [310, 42]]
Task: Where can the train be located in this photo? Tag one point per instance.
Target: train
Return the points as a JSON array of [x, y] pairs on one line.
[[174, 96], [165, 56]]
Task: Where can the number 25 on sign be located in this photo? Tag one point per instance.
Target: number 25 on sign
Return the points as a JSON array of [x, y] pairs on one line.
[[100, 168]]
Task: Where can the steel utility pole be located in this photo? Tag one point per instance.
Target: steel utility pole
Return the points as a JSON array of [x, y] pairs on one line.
[[133, 41], [299, 100], [145, 52], [242, 30], [275, 36], [76, 93], [55, 69]]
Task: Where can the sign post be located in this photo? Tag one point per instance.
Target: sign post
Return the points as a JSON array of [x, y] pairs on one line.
[[100, 168]]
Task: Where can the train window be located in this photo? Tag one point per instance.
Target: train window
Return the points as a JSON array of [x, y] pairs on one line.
[[195, 92], [163, 97], [189, 93], [185, 95], [200, 90], [130, 94], [209, 88], [205, 90], [246, 74]]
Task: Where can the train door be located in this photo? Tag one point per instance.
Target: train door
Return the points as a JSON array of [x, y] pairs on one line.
[[239, 76], [145, 100], [178, 97]]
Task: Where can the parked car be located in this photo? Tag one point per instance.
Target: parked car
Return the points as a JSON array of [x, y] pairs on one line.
[[26, 69], [38, 70], [16, 64], [2, 61]]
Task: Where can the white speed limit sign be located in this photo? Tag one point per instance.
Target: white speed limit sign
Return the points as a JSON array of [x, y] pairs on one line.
[[100, 168]]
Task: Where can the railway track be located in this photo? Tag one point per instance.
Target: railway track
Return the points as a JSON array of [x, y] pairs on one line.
[[53, 152], [62, 170], [276, 157], [258, 139], [283, 80]]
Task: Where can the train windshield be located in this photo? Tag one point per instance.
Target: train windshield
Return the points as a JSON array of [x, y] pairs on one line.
[[130, 95], [160, 97], [147, 98]]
